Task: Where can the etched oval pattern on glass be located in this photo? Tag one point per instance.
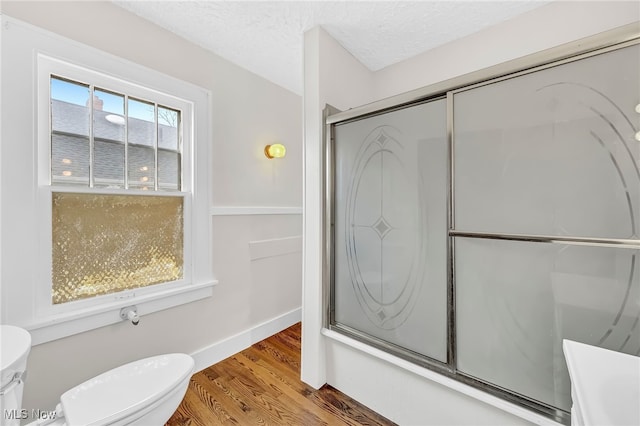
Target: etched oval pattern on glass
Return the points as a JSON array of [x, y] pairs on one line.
[[385, 232]]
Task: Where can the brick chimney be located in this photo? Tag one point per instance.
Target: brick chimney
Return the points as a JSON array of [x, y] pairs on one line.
[[97, 103]]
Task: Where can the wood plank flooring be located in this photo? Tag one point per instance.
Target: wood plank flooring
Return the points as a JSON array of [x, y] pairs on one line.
[[261, 386]]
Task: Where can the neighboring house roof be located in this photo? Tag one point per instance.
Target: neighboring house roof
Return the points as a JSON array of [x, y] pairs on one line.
[[72, 118], [70, 150]]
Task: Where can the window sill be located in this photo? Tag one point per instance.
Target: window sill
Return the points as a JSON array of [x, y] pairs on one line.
[[63, 325]]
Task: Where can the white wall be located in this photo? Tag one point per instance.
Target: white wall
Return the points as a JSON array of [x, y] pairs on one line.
[[255, 295], [331, 75], [405, 394], [551, 25]]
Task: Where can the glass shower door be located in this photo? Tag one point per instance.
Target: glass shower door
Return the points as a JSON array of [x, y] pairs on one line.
[[390, 231], [472, 234], [547, 221]]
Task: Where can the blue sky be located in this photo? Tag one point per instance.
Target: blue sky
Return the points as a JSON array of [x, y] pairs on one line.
[[78, 94]]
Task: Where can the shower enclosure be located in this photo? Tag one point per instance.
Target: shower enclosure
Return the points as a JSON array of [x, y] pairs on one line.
[[471, 229]]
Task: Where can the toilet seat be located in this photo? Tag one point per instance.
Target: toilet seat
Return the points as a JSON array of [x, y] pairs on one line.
[[125, 390]]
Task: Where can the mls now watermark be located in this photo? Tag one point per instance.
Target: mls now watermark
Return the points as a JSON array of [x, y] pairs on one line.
[[35, 414]]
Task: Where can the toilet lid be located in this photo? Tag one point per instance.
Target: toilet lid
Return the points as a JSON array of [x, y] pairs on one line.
[[120, 392]]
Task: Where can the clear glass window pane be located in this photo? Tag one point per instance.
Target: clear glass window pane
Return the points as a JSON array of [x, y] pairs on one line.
[[140, 136], [169, 165], [516, 301], [141, 167], [168, 120], [104, 244], [391, 228], [70, 114], [109, 139], [141, 145], [169, 149]]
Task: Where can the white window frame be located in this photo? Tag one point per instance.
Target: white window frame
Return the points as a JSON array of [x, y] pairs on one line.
[[51, 54], [48, 67]]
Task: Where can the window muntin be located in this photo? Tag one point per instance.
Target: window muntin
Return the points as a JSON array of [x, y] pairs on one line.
[[93, 143]]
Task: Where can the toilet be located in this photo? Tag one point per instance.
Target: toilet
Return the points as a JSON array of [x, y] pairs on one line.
[[15, 344], [144, 392]]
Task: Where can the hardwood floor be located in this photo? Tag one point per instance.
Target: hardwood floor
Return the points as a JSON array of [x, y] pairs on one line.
[[261, 386]]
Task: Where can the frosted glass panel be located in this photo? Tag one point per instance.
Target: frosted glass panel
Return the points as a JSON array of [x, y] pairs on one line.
[[516, 301], [391, 227], [553, 152], [109, 243]]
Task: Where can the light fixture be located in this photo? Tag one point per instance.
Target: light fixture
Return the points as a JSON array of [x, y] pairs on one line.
[[276, 150]]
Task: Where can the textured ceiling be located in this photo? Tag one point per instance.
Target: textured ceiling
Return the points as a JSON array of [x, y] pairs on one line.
[[266, 37]]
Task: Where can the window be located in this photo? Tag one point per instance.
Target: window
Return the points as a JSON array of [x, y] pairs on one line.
[[117, 149], [100, 199], [104, 243]]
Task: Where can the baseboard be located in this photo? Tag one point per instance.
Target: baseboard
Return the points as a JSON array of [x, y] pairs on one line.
[[218, 351]]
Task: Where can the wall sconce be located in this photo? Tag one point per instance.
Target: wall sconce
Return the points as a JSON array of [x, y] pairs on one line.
[[277, 150]]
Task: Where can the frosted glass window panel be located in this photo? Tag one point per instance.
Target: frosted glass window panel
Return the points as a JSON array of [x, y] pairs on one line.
[[553, 152], [516, 301], [391, 227], [104, 244]]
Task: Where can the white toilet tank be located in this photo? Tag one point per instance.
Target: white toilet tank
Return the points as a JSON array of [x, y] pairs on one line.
[[15, 344]]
